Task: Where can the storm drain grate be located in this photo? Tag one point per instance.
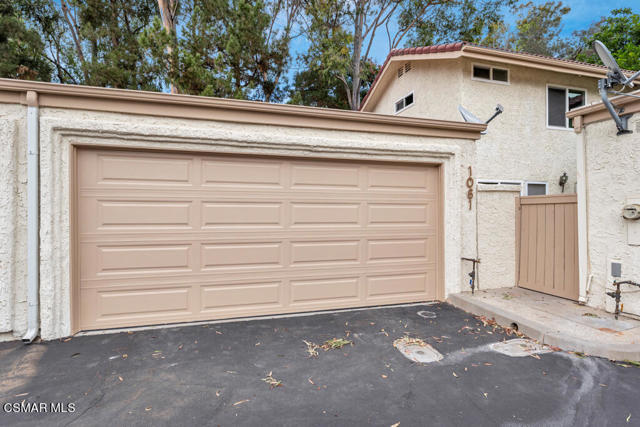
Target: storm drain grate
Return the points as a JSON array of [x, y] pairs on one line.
[[419, 353], [519, 347]]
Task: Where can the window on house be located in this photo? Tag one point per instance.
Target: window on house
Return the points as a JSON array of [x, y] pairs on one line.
[[404, 102], [536, 188], [483, 72], [561, 100]]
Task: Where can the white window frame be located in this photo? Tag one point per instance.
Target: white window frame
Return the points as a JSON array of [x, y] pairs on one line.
[[490, 79], [406, 106], [523, 184], [566, 100], [525, 187]]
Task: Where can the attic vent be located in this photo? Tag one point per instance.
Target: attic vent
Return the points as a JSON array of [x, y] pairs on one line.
[[404, 69]]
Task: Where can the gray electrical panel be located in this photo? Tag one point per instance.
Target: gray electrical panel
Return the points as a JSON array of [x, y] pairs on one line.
[[616, 269]]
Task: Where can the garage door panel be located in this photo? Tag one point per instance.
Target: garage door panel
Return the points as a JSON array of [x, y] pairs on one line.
[[161, 258], [152, 170], [400, 214], [325, 252], [241, 255], [325, 176], [245, 295], [399, 284], [325, 214], [242, 173], [400, 250], [228, 236], [325, 290]]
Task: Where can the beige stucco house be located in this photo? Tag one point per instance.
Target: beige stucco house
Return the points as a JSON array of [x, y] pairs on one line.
[[526, 149], [608, 167]]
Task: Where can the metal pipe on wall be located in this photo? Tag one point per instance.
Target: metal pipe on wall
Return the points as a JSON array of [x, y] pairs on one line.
[[33, 218]]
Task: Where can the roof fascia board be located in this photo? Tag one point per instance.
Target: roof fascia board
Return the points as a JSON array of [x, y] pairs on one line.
[[75, 97], [538, 63]]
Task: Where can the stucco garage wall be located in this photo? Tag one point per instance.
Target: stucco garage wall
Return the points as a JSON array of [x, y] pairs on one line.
[[13, 217], [612, 176], [62, 128]]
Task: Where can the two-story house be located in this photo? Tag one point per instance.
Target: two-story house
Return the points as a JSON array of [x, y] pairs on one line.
[[527, 149]]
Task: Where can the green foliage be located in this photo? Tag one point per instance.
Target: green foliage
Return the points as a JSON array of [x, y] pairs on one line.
[[474, 21], [620, 32], [93, 42], [227, 48], [20, 48], [538, 29]]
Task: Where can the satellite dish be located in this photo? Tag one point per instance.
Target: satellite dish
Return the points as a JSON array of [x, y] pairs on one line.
[[608, 60], [615, 77], [469, 117]]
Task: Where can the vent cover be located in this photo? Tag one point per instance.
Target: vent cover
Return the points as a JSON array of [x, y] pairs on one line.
[[404, 69]]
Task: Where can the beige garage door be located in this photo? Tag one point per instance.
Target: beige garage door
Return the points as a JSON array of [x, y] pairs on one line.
[[164, 237]]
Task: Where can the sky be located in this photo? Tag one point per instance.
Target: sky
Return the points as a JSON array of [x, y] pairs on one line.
[[583, 14]]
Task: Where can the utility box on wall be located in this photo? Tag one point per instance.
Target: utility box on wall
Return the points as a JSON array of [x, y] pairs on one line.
[[633, 226]]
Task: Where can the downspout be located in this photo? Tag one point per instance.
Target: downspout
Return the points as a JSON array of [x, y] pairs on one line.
[[581, 190], [33, 218]]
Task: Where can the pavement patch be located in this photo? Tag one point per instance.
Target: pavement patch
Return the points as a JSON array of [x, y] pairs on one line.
[[519, 347]]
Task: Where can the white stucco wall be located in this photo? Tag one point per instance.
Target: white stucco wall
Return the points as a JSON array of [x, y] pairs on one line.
[[60, 129], [496, 231], [518, 146], [612, 176], [13, 218]]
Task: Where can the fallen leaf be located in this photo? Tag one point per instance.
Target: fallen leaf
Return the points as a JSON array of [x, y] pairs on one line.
[[180, 346], [218, 393], [148, 408], [465, 369], [257, 344], [241, 402], [455, 375], [602, 385], [120, 378], [21, 394], [311, 381], [485, 395], [396, 424], [488, 364], [67, 339], [124, 356], [384, 376], [535, 356], [218, 332], [628, 417]]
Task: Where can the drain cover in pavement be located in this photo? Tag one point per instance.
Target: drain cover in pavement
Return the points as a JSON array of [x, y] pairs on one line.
[[519, 347], [419, 353], [427, 314]]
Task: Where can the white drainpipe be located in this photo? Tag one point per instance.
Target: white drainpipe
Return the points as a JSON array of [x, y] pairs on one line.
[[583, 242], [33, 218]]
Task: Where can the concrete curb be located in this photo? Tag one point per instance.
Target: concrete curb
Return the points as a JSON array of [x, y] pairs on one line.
[[542, 333]]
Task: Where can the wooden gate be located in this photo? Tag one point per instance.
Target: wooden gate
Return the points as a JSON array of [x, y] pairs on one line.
[[547, 244]]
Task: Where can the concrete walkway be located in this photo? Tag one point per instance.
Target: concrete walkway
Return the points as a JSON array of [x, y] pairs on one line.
[[556, 321]]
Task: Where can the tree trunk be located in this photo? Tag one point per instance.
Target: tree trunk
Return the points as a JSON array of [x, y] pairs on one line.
[[357, 53], [167, 13]]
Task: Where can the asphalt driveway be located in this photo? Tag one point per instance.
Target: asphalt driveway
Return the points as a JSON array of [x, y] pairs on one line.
[[213, 375]]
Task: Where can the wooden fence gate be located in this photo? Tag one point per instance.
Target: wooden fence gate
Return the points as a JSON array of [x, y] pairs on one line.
[[547, 244]]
